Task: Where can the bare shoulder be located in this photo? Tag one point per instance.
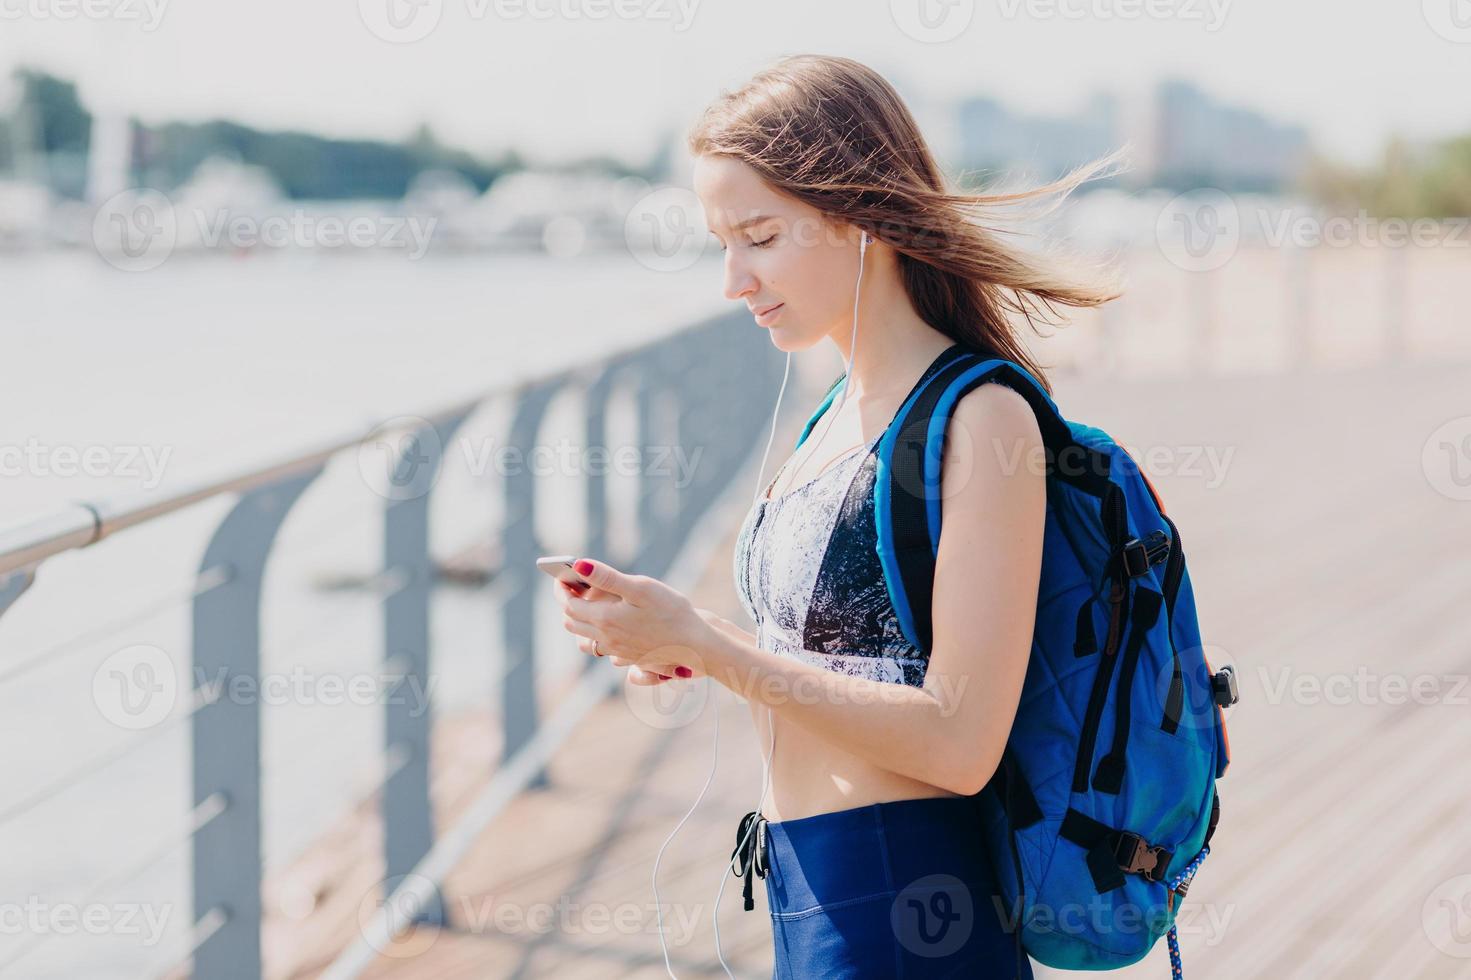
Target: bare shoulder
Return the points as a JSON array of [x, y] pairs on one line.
[[992, 434]]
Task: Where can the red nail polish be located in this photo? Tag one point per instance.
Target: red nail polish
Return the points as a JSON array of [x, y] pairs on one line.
[[663, 676], [684, 672], [583, 566]]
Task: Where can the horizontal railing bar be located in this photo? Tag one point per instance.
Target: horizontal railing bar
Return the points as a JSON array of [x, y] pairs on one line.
[[509, 780], [213, 578], [210, 923], [83, 523], [208, 808], [600, 679], [202, 697]]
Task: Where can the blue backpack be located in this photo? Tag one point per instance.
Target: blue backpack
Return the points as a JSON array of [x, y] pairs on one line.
[[1105, 800]]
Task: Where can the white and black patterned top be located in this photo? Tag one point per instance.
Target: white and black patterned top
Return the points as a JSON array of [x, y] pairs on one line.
[[809, 576]]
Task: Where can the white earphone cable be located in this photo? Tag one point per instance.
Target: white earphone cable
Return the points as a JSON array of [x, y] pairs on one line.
[[770, 754]]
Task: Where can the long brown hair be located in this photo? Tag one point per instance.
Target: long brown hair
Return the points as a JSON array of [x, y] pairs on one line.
[[834, 134]]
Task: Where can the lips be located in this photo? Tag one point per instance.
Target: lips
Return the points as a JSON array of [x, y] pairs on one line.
[[762, 311], [765, 316]]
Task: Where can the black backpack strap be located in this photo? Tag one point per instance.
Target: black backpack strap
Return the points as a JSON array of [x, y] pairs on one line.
[[907, 501]]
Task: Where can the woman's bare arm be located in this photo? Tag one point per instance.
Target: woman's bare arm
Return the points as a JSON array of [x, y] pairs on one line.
[[951, 732]]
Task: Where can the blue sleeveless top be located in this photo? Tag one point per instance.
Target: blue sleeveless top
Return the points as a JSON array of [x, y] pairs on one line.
[[809, 576]]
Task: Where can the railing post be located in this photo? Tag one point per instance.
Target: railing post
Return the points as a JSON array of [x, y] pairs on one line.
[[13, 586], [596, 478], [519, 707], [227, 857], [408, 811]]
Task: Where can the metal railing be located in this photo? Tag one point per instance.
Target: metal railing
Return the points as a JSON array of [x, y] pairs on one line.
[[707, 388]]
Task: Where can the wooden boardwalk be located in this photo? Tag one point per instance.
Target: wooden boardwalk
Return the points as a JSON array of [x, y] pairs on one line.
[[1328, 567]]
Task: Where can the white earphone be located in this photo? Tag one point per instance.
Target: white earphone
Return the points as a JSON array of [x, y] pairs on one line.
[[863, 242]]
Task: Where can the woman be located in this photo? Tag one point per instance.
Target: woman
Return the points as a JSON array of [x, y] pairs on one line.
[[831, 210]]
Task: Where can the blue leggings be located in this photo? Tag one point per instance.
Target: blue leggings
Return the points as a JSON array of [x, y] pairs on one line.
[[896, 889]]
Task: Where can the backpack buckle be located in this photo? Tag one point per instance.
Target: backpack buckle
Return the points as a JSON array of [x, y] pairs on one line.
[[1137, 857], [1223, 686], [1139, 555]]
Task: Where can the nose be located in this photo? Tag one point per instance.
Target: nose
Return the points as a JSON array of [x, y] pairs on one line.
[[738, 279]]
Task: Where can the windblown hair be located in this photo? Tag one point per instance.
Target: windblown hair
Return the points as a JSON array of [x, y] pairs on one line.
[[834, 134]]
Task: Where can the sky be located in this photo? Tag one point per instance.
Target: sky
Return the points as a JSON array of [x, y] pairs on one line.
[[561, 79]]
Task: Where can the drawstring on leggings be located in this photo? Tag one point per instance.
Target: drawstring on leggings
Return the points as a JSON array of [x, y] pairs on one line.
[[750, 852]]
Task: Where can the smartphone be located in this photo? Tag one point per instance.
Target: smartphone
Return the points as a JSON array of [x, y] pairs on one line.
[[560, 568]]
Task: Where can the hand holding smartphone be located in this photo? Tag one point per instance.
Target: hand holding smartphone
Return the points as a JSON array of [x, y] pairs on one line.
[[560, 568]]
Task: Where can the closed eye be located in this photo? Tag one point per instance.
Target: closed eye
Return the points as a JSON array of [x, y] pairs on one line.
[[761, 244]]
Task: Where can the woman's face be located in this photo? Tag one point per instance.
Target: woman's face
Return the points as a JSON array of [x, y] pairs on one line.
[[779, 252]]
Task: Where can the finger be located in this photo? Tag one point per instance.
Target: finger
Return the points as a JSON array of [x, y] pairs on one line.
[[609, 579], [645, 678], [582, 590], [578, 628], [667, 670]]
